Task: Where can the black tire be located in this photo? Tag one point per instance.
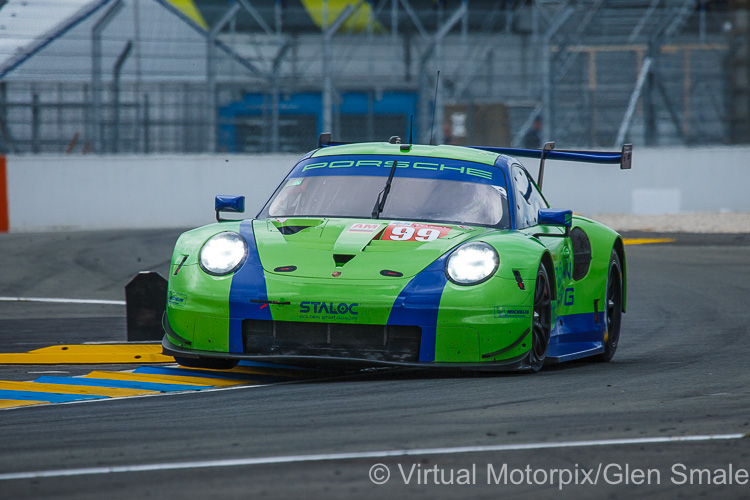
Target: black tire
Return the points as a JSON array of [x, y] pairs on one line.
[[612, 309], [210, 363], [541, 322]]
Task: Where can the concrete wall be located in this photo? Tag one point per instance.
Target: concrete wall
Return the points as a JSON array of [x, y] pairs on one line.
[[664, 180], [90, 192]]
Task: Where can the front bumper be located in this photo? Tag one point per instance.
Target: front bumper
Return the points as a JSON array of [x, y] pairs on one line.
[[342, 363]]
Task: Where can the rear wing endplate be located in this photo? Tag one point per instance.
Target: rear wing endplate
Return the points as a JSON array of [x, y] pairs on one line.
[[324, 141]]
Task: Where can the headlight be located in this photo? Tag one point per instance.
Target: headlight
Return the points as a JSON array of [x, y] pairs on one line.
[[472, 263], [223, 253]]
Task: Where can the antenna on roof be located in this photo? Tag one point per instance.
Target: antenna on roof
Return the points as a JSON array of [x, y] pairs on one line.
[[411, 128], [434, 106]]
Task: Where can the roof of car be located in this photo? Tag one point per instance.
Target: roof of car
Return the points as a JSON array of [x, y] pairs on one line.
[[421, 150]]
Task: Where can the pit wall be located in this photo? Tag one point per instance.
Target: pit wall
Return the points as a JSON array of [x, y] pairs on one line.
[[44, 193]]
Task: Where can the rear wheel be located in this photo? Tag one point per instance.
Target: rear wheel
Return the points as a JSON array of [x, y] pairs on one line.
[[541, 323], [612, 309], [210, 363]]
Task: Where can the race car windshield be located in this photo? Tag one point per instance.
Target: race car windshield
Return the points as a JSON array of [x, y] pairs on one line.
[[422, 199]]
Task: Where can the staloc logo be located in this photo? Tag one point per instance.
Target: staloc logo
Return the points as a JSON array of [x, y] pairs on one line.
[[327, 308]]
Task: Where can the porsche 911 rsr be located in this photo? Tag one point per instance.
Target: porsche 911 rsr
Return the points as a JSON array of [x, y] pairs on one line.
[[379, 254]]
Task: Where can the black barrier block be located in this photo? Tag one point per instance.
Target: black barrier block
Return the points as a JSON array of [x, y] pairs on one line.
[[146, 301]]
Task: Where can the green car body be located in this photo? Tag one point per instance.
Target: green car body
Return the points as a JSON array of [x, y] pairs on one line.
[[347, 286]]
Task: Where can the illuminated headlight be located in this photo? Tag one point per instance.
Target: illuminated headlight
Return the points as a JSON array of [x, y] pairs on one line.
[[472, 263], [223, 253]]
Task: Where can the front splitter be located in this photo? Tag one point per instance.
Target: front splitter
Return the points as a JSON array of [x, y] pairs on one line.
[[329, 363]]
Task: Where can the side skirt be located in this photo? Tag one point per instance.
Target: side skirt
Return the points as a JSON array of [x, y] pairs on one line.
[[584, 353]]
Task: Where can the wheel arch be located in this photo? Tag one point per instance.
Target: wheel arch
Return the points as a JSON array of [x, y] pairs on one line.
[[604, 241], [619, 248], [549, 266]]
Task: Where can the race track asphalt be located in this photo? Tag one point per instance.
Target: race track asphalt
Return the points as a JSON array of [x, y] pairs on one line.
[[682, 369]]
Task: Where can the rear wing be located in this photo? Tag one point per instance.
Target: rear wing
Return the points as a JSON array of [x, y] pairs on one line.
[[624, 158]]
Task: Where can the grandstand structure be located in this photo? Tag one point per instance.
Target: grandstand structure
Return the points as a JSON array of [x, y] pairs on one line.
[[236, 76]]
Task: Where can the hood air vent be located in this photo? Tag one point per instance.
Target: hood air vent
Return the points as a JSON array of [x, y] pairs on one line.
[[341, 258], [291, 229]]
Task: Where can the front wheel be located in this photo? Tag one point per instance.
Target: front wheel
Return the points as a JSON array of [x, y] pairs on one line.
[[541, 323], [209, 363], [612, 309]]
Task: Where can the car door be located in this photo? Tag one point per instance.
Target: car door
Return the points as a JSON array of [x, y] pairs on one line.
[[528, 200]]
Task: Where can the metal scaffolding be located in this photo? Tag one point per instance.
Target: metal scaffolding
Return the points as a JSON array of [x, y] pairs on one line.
[[274, 75]]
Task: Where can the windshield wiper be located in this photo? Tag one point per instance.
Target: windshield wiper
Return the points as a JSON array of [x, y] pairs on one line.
[[383, 195]]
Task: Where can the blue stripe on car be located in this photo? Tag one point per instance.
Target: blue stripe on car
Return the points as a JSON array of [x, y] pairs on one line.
[[419, 303], [248, 283], [576, 333]]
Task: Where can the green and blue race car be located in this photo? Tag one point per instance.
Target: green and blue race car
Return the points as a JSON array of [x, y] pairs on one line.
[[378, 254]]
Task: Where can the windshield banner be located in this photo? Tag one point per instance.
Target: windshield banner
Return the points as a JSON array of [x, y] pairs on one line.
[[412, 166]]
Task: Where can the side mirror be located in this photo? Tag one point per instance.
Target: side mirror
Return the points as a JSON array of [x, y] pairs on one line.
[[225, 203], [556, 217]]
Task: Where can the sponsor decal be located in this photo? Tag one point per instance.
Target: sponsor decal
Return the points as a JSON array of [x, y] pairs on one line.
[[511, 312], [363, 228], [458, 167], [568, 271], [177, 299], [407, 231], [569, 297], [328, 308]]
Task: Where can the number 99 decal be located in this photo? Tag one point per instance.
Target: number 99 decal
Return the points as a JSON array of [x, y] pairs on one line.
[[414, 232]]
